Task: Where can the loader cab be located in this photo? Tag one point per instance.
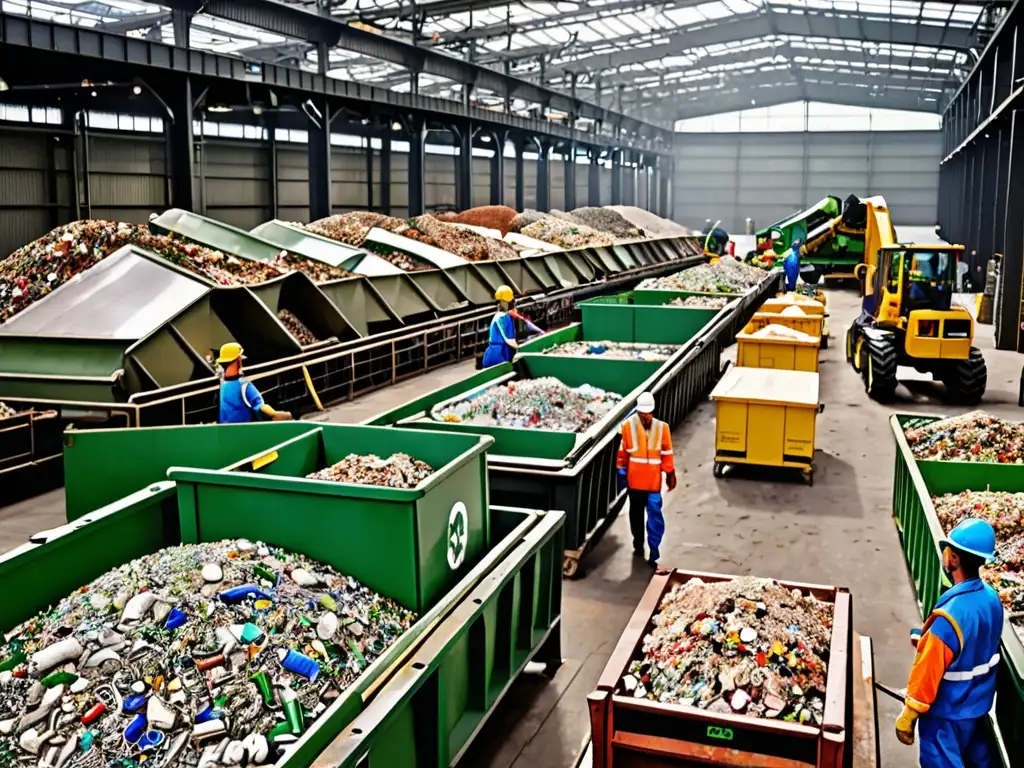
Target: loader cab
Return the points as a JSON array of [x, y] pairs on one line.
[[916, 277]]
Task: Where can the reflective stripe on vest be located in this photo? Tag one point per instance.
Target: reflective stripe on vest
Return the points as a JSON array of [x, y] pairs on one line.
[[970, 674], [653, 440]]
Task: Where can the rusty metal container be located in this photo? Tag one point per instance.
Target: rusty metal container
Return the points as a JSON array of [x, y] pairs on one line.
[[637, 733]]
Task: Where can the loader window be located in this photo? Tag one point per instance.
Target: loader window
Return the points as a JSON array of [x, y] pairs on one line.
[[932, 266]]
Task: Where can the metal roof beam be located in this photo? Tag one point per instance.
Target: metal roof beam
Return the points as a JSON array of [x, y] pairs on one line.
[[845, 26], [297, 23], [132, 23]]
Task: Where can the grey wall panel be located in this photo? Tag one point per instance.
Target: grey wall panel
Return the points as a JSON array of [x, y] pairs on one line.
[[768, 176], [21, 226]]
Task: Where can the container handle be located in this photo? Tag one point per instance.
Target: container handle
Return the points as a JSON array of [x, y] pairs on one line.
[[821, 407]]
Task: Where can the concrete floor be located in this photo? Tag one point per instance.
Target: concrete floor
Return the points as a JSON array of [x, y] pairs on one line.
[[838, 532]]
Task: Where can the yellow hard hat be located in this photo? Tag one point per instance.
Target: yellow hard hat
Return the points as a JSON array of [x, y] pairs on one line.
[[504, 293], [229, 353]]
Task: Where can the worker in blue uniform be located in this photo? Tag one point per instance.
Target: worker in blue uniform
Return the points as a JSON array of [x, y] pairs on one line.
[[791, 265], [953, 681], [501, 341], [240, 401]]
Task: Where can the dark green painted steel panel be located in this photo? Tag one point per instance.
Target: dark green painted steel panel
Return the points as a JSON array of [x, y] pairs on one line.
[[62, 356], [104, 465], [351, 519], [289, 237], [363, 305], [431, 710], [60, 561], [441, 289], [405, 297], [298, 294], [524, 278], [654, 296], [215, 234], [622, 318], [914, 484]]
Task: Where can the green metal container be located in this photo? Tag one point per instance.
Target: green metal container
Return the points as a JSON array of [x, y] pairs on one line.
[[436, 704], [57, 562], [914, 484], [368, 311], [290, 237], [214, 234], [626, 317], [435, 532]]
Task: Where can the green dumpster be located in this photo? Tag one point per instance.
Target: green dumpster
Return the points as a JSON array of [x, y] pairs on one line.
[[625, 317], [57, 562], [914, 484], [431, 710], [435, 532]]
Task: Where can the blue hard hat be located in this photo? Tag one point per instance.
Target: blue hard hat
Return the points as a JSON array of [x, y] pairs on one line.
[[798, 242], [974, 536]]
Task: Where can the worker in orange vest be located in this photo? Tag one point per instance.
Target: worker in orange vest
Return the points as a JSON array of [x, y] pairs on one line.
[[644, 454]]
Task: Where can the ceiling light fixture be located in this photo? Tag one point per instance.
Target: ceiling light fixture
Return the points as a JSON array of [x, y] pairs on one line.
[[137, 90], [218, 108]]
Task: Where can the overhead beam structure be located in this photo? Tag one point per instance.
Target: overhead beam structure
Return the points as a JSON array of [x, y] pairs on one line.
[[132, 23], [331, 32]]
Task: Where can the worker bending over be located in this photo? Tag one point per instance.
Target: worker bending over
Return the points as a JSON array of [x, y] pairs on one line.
[[953, 680], [644, 454], [501, 341], [240, 401]]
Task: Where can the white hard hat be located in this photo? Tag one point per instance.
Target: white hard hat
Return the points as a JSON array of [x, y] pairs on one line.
[[645, 403]]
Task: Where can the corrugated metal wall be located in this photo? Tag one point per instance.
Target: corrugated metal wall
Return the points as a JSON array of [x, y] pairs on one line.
[[767, 176]]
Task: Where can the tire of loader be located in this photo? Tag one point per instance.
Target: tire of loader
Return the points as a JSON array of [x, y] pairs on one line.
[[966, 380], [879, 369]]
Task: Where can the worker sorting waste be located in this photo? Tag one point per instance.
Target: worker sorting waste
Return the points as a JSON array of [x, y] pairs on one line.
[[953, 681], [644, 455], [791, 265], [501, 343], [240, 401]]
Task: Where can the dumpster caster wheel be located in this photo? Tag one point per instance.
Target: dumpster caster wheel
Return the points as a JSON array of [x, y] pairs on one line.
[[719, 469], [809, 477], [824, 342], [551, 668], [570, 567]]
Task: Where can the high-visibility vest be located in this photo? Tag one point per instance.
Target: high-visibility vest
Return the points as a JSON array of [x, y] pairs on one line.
[[645, 453]]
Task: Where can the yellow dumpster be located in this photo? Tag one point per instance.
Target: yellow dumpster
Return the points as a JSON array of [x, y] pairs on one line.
[[809, 324], [779, 303], [781, 353], [766, 417]]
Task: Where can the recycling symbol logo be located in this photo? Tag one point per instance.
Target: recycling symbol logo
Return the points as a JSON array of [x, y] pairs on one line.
[[458, 534]]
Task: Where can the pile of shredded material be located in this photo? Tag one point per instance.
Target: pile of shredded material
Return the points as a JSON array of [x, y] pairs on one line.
[[700, 302], [726, 276], [747, 646], [296, 328], [544, 403], [974, 436], [462, 242], [653, 225], [1005, 511], [216, 653], [399, 470], [318, 271], [565, 234], [776, 331], [614, 350], [607, 220]]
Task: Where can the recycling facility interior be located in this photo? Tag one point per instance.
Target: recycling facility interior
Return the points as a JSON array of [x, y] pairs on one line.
[[839, 531]]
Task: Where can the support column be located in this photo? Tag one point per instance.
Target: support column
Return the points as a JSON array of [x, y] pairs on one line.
[[70, 124], [665, 193], [417, 185], [987, 200], [272, 172], [369, 174], [520, 173], [1008, 302], [319, 153], [570, 176], [594, 178], [181, 21], [180, 144], [543, 177], [617, 176], [385, 173], [464, 167], [999, 204], [498, 169]]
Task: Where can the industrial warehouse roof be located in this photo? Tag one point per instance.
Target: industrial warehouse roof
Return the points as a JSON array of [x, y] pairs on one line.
[[658, 61]]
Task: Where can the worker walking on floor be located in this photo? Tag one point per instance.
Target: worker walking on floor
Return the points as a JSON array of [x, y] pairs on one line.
[[953, 681], [240, 401], [645, 453]]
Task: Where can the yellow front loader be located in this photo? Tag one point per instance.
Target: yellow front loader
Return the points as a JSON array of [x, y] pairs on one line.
[[908, 317]]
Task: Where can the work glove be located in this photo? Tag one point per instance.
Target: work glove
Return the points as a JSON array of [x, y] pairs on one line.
[[905, 725], [915, 636], [671, 479], [621, 479]]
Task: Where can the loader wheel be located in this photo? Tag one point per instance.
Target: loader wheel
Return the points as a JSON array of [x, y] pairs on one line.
[[849, 345], [859, 352], [879, 361], [966, 380]]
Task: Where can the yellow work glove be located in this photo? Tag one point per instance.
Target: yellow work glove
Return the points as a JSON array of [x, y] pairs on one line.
[[905, 725]]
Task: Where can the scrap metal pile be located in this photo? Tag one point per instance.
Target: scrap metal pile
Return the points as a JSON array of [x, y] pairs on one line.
[[296, 328], [726, 276], [613, 350], [975, 436], [544, 403], [399, 470], [221, 653], [700, 302], [747, 646], [1005, 511]]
